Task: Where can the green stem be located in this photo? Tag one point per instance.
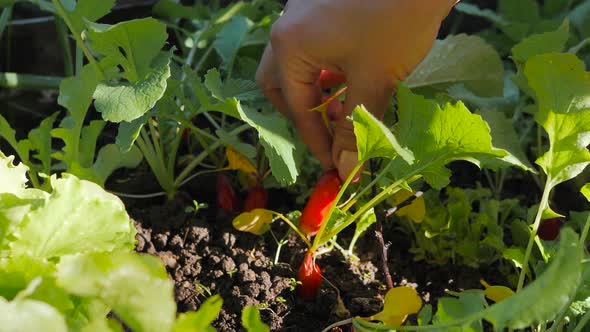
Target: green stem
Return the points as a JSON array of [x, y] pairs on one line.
[[322, 229], [4, 19], [203, 58], [62, 34], [582, 322], [78, 37], [28, 81], [527, 255], [195, 162], [368, 187]]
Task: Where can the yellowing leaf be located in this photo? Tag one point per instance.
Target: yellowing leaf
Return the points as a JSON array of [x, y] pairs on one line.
[[256, 221], [399, 303], [238, 161], [323, 108], [496, 293], [415, 211]]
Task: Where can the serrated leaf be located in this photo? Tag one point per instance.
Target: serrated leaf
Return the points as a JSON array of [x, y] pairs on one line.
[[60, 228], [277, 140], [438, 136], [504, 137], [251, 320], [374, 140], [13, 177], [40, 139], [562, 90], [541, 301], [460, 59], [136, 287], [201, 320]]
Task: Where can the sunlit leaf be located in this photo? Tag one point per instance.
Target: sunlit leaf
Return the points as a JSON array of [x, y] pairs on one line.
[[496, 293], [256, 221], [238, 161], [251, 320], [398, 304], [415, 211]]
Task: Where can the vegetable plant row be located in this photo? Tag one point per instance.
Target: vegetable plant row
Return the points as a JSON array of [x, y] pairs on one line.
[[177, 93]]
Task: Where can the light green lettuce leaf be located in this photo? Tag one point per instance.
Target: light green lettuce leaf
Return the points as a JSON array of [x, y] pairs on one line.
[[78, 217], [136, 287], [30, 315], [13, 177]]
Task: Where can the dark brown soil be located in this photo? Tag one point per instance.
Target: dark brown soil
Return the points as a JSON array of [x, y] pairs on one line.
[[204, 253]]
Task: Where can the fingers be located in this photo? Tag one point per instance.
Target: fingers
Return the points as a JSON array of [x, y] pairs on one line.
[[290, 85], [374, 91], [267, 78]]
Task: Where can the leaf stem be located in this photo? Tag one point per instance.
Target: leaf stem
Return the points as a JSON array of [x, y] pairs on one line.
[[288, 222], [28, 81], [77, 36], [542, 205]]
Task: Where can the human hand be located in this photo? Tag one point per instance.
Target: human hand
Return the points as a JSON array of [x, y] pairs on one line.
[[373, 44]]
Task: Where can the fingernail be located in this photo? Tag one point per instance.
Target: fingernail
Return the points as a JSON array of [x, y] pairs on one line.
[[346, 163]]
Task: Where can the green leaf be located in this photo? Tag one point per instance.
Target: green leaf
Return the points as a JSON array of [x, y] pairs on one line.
[[562, 89], [110, 158], [278, 142], [40, 139], [450, 309], [526, 11], [374, 140], [87, 10], [580, 18], [136, 287], [541, 301], [586, 191], [251, 320], [127, 101], [438, 136], [242, 90], [425, 315], [13, 177], [460, 59], [504, 137], [548, 42], [201, 320], [230, 39], [488, 14], [30, 315], [128, 133], [175, 10], [62, 227]]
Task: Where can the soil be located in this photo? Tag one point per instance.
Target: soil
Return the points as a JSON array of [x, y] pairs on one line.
[[203, 253]]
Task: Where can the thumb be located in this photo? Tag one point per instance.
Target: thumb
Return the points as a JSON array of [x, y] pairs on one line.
[[374, 91]]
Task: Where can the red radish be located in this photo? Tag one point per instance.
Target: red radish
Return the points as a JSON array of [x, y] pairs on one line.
[[320, 202], [256, 199], [329, 79], [549, 229], [310, 277], [226, 196]]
